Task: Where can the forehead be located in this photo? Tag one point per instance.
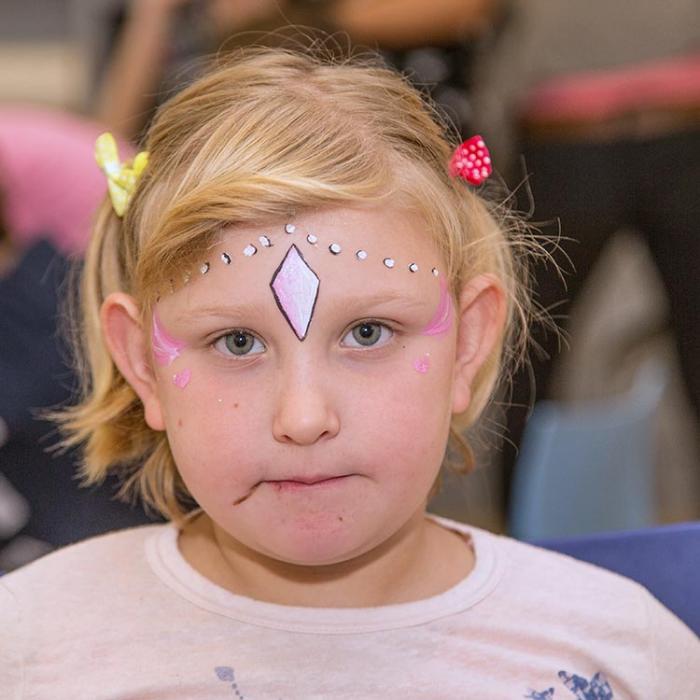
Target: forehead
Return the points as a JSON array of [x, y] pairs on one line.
[[350, 251]]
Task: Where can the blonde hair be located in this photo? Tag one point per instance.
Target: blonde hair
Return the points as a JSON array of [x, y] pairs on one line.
[[264, 134]]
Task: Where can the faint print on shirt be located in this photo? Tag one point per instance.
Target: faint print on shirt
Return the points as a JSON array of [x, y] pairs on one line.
[[597, 688], [226, 673]]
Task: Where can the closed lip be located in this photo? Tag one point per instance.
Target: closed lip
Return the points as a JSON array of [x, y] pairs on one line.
[[308, 480]]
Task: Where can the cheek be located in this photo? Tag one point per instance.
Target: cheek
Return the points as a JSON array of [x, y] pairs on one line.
[[205, 419], [410, 409]]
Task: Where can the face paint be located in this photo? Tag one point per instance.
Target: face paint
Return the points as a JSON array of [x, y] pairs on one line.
[[422, 364], [442, 320], [295, 287], [266, 242], [165, 347], [182, 379]]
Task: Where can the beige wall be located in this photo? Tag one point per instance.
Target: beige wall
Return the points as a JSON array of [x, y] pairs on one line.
[[48, 72]]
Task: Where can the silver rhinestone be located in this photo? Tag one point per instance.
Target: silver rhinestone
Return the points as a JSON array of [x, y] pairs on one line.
[[389, 262], [290, 228], [312, 239], [435, 272], [413, 267], [249, 251], [265, 242], [334, 248], [361, 255], [225, 258], [205, 268]]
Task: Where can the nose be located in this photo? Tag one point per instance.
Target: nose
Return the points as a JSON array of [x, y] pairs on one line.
[[304, 413]]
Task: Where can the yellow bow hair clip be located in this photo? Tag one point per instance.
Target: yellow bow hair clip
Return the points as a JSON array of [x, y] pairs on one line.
[[121, 177]]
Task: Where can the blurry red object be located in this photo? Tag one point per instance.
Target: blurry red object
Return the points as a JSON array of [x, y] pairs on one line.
[[471, 161]]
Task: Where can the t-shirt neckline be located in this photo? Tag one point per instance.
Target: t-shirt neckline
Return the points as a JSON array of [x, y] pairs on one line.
[[174, 571]]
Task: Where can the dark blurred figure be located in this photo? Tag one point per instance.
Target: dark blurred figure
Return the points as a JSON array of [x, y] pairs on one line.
[[151, 46], [49, 187], [603, 101]]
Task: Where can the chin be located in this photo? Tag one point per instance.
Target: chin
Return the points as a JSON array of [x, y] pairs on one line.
[[315, 542]]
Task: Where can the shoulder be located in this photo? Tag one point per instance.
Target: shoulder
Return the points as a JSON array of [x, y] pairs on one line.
[[544, 586], [608, 620], [607, 610], [543, 575], [522, 563], [110, 560]]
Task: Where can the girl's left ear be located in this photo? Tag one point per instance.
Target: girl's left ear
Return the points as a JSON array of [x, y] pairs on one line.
[[481, 313]]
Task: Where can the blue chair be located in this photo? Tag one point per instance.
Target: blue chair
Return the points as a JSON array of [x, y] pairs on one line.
[[664, 559], [588, 467]]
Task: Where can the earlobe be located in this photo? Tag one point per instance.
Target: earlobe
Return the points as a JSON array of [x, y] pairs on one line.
[[128, 345], [481, 315]]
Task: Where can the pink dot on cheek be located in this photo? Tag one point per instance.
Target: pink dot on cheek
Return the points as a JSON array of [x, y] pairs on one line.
[[422, 364], [182, 379]]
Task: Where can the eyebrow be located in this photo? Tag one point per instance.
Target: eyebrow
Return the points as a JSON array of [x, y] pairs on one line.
[[339, 303], [388, 297]]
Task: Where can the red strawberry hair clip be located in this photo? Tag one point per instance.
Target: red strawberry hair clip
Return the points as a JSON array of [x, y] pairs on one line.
[[471, 161]]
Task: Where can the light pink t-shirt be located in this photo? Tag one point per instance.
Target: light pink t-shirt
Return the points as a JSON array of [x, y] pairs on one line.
[[124, 616]]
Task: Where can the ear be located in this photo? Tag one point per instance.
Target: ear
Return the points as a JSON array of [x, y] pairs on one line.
[[481, 316], [128, 345]]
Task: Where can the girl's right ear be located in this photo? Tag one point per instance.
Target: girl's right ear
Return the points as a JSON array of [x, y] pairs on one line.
[[127, 342]]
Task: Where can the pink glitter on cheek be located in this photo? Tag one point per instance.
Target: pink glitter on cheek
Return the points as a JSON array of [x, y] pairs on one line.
[[182, 379], [442, 320], [422, 365], [165, 347]]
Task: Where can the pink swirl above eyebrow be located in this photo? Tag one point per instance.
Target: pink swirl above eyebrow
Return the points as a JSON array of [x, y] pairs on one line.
[[442, 320], [165, 347]]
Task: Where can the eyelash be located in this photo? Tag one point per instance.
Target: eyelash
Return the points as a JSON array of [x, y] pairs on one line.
[[221, 340], [370, 322]]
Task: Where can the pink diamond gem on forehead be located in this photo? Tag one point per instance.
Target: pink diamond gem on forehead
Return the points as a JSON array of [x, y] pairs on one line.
[[295, 287]]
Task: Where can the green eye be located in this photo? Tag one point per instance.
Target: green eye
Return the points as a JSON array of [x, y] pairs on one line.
[[239, 343], [367, 334]]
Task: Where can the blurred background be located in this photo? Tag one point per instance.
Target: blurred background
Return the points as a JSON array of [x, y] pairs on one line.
[[592, 111]]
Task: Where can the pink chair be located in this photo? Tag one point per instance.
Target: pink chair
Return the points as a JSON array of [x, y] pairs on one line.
[[50, 185]]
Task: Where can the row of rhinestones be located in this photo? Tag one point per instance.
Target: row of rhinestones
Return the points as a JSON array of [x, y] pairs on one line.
[[333, 248]]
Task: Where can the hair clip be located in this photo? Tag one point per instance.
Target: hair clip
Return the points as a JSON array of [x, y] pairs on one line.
[[471, 161], [121, 177]]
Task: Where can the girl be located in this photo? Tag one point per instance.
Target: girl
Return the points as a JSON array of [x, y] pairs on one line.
[[284, 311]]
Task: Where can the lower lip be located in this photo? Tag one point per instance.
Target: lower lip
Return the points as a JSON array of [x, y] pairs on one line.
[[301, 486]]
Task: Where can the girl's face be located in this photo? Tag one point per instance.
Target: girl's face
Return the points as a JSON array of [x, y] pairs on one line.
[[310, 451]]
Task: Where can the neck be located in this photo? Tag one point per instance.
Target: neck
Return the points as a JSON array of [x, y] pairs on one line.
[[421, 560]]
